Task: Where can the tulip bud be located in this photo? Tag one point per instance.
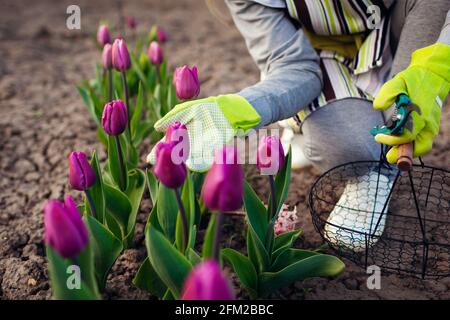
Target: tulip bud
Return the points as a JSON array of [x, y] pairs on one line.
[[64, 231], [155, 53], [131, 22], [114, 117], [169, 168], [186, 83], [107, 56], [120, 56], [177, 132], [161, 35], [207, 282], [81, 174], [270, 155], [103, 36], [224, 184]]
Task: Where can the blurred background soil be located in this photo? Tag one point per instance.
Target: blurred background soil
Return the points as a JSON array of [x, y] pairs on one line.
[[42, 119]]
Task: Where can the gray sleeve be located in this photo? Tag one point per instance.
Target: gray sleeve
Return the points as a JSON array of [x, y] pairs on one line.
[[445, 33], [289, 65]]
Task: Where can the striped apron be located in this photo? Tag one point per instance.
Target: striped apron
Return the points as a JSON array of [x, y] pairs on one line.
[[360, 76]]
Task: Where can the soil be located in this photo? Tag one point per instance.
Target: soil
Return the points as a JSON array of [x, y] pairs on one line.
[[42, 119]]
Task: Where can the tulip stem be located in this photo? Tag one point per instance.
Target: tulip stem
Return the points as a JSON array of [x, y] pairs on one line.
[[123, 175], [217, 236], [183, 219], [91, 204], [110, 85], [273, 196], [127, 104]]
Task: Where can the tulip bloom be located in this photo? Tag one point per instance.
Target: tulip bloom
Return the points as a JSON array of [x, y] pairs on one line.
[[114, 117], [120, 55], [131, 22], [207, 282], [155, 53], [186, 83], [107, 56], [177, 132], [65, 232], [270, 156], [224, 184], [169, 169], [81, 174], [161, 35], [103, 36]]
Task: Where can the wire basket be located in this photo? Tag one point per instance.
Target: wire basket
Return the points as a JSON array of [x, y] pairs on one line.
[[373, 214]]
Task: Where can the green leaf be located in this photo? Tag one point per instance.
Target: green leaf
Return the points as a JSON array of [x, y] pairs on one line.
[[208, 241], [244, 269], [118, 205], [147, 279], [114, 164], [315, 266], [282, 181], [256, 251], [193, 257], [188, 199], [106, 247], [289, 257], [172, 99], [167, 210], [135, 191], [256, 212], [96, 191], [137, 114], [61, 275], [170, 265], [83, 89], [283, 242]]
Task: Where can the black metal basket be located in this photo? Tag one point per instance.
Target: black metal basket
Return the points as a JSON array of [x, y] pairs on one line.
[[409, 227]]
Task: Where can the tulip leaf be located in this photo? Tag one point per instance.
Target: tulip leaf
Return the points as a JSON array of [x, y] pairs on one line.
[[256, 212], [135, 191], [256, 250], [315, 266], [118, 205], [147, 279], [167, 210], [140, 74], [72, 279], [152, 220], [96, 191], [137, 114], [170, 265], [114, 163], [193, 257], [106, 247], [282, 181], [244, 269], [208, 241], [153, 187], [283, 242], [83, 89], [172, 99], [188, 199], [289, 257]]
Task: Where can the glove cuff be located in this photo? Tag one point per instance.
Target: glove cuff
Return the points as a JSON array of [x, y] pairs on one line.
[[238, 111], [434, 58]]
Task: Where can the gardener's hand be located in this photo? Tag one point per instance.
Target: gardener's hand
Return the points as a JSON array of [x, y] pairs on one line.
[[211, 123], [427, 82]]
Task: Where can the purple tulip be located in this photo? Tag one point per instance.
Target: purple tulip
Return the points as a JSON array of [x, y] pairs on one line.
[[114, 117], [131, 22], [107, 56], [270, 156], [207, 282], [81, 174], [186, 83], [223, 187], [177, 132], [161, 35], [120, 56], [170, 168], [65, 232], [155, 53], [103, 36]]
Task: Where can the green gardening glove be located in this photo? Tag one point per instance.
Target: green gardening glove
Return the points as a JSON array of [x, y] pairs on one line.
[[427, 82], [211, 123]]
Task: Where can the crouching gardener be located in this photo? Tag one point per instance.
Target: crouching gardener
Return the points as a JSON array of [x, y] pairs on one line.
[[322, 62]]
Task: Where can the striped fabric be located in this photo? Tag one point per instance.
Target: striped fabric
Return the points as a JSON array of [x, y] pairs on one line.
[[360, 77]]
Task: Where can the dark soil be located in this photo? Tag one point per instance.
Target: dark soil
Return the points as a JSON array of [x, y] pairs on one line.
[[42, 119]]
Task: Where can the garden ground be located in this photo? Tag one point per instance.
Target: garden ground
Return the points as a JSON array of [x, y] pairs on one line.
[[42, 119]]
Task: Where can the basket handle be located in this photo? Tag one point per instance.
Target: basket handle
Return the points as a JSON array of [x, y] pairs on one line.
[[405, 156]]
